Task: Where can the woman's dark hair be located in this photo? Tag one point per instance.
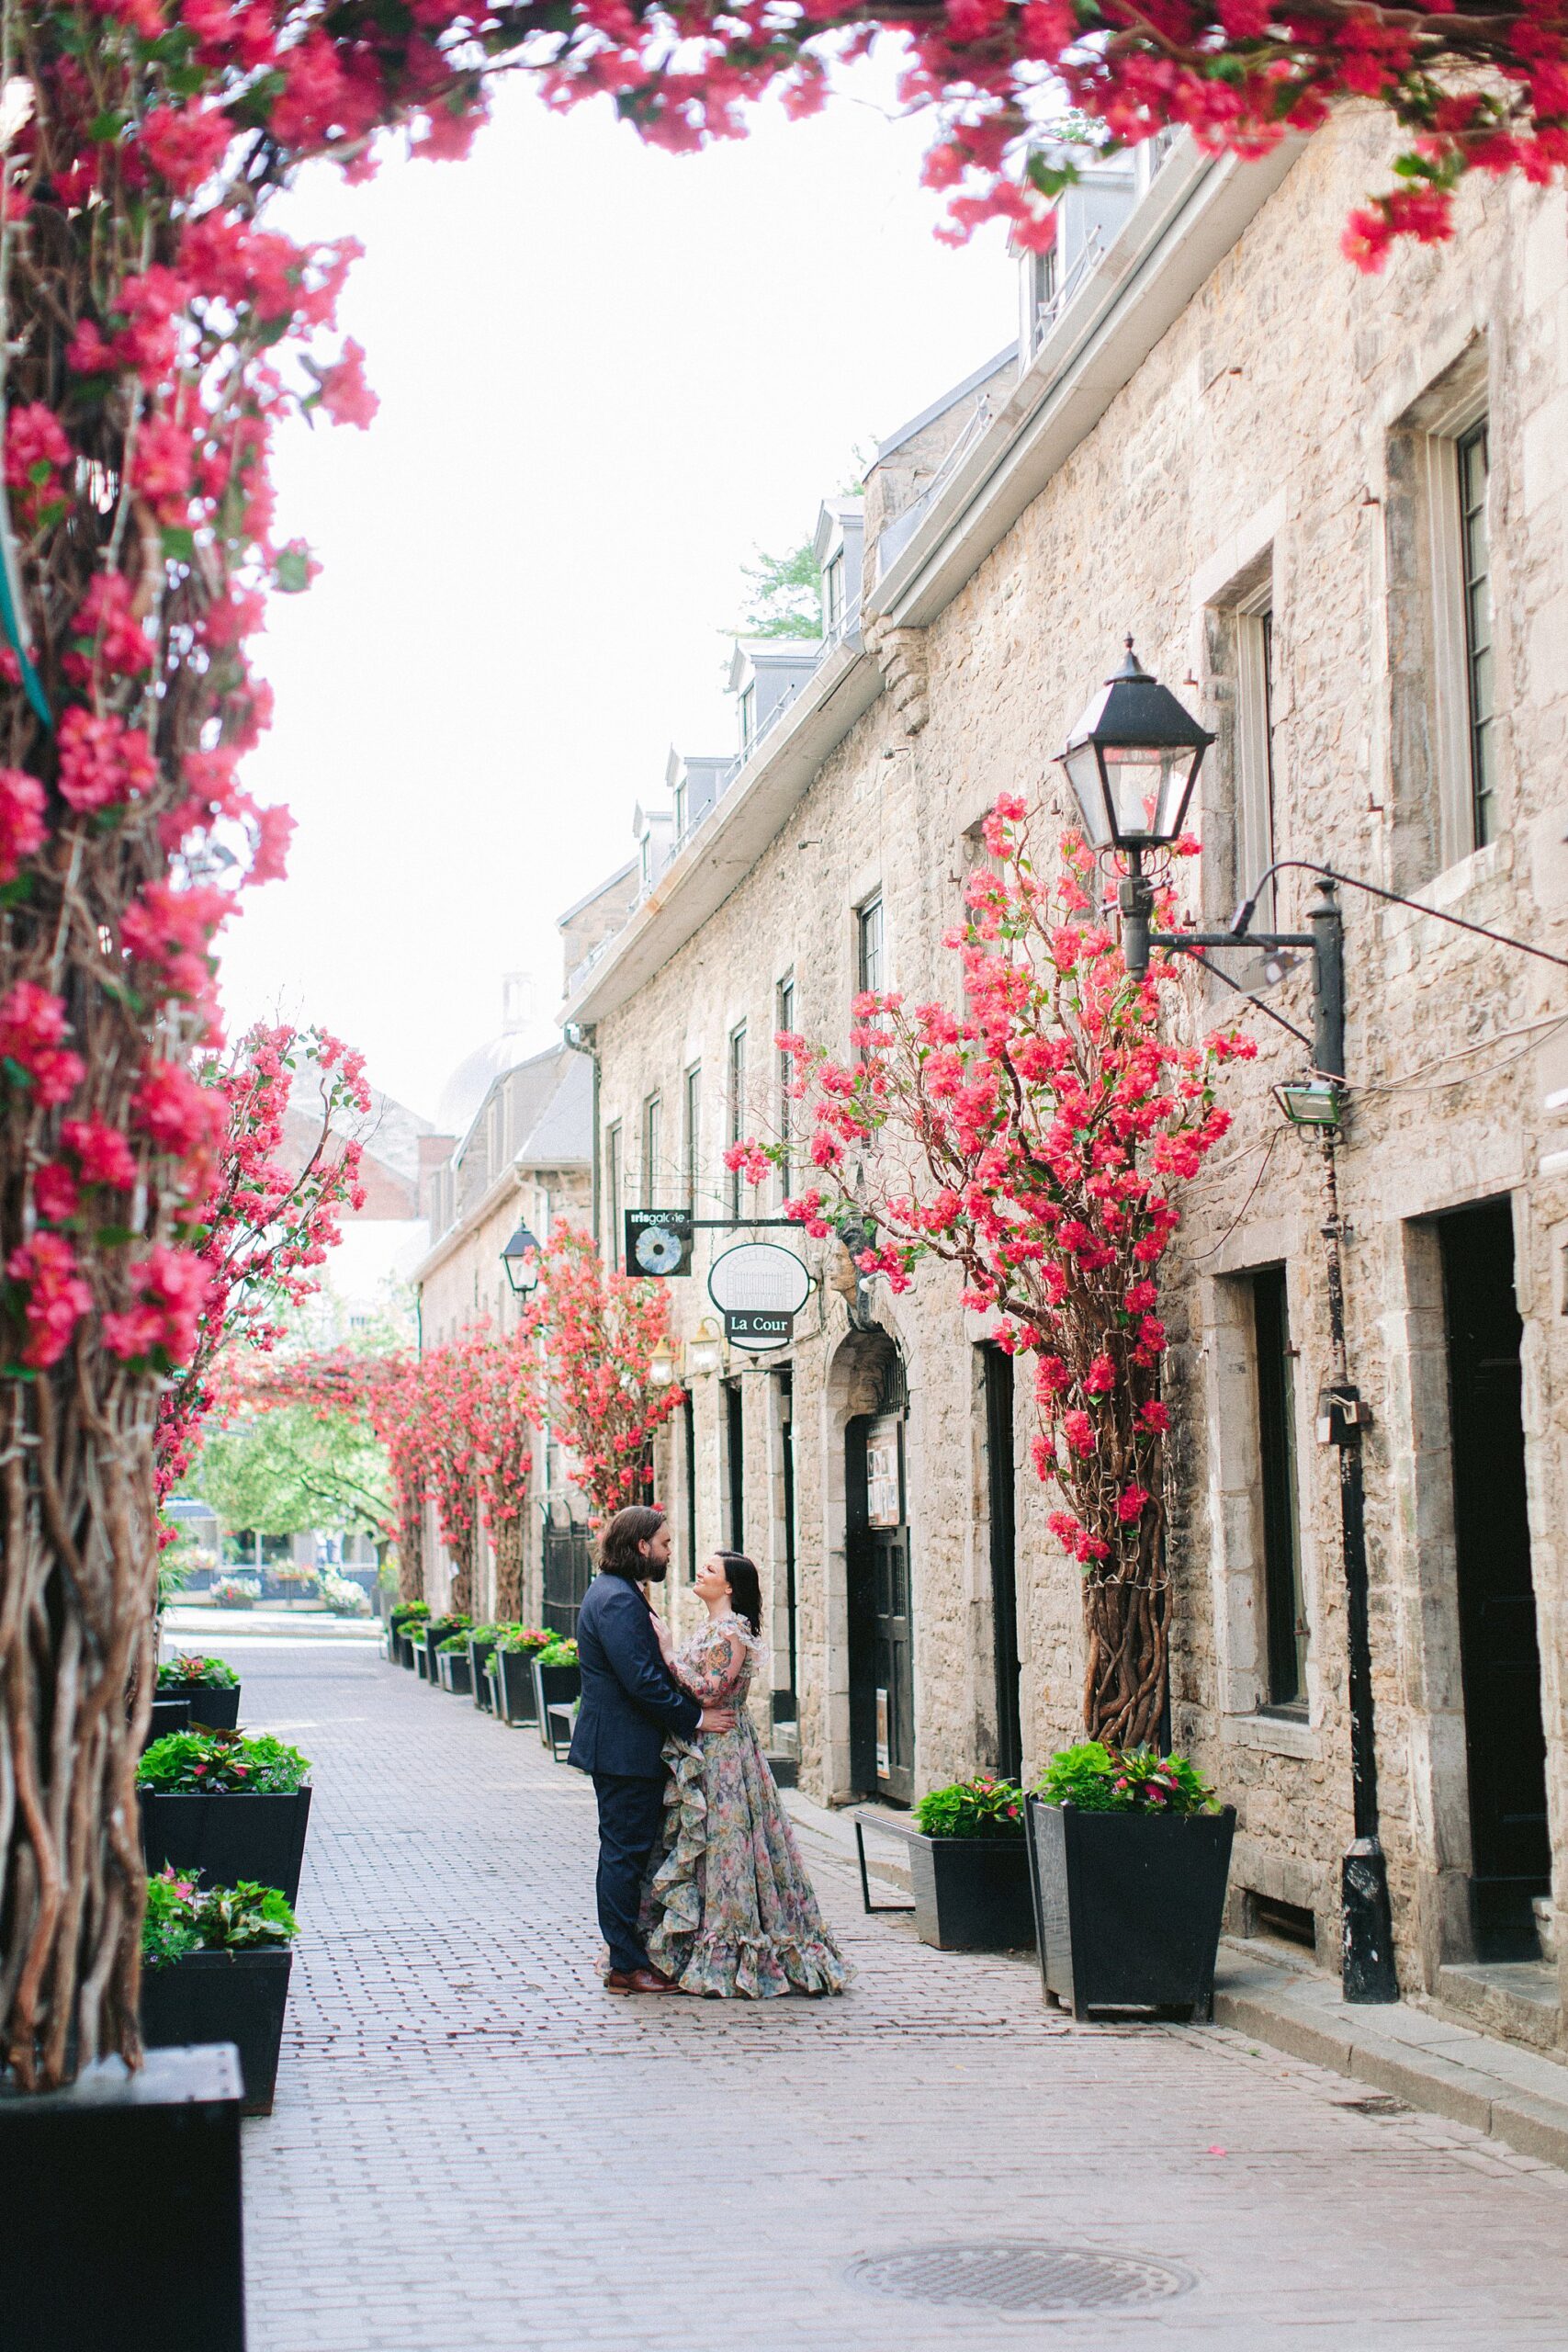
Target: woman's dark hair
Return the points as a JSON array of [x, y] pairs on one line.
[[638, 1523], [745, 1586]]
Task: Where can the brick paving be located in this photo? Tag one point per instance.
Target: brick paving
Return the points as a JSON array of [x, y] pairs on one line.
[[475, 2146]]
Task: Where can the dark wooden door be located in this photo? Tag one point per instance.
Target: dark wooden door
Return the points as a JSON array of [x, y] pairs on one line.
[[1001, 1475], [1500, 1662], [882, 1679]]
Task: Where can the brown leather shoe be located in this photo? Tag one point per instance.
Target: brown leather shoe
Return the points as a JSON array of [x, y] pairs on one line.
[[639, 1980]]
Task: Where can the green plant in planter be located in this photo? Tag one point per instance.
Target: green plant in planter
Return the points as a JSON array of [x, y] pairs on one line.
[[441, 1626], [455, 1644], [182, 1916], [186, 1671], [1103, 1779], [559, 1653], [407, 1615], [486, 1633], [529, 1638], [221, 1763], [978, 1808]]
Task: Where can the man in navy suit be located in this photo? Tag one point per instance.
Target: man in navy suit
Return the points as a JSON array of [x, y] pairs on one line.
[[630, 1701]]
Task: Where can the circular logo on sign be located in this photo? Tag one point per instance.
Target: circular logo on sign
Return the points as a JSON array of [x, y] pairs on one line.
[[657, 1249], [759, 1277]]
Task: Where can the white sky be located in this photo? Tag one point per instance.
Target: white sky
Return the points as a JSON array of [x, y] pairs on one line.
[[607, 375]]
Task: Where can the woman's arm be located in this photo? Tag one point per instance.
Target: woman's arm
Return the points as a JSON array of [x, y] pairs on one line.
[[714, 1669]]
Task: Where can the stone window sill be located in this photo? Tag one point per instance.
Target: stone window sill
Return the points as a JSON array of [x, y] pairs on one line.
[[1273, 1735]]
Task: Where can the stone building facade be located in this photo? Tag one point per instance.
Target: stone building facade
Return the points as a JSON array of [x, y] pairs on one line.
[[525, 1159], [1332, 511]]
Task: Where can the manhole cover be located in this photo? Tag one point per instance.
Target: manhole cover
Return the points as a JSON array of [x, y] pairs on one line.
[[1003, 2275]]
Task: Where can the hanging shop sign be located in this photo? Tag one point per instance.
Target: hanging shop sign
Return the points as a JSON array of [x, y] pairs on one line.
[[759, 1288], [659, 1241]]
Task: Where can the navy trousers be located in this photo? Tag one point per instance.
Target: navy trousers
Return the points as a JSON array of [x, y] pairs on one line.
[[631, 1813]]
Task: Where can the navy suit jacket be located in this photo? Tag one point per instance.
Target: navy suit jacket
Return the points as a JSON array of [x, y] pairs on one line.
[[630, 1699]]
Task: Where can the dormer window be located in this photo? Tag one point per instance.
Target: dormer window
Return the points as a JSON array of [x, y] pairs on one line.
[[1044, 279], [680, 812], [833, 593], [748, 716]]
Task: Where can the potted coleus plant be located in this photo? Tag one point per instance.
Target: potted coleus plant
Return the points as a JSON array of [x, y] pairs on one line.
[[452, 1670], [403, 1624], [226, 1805], [215, 1967], [512, 1672], [428, 1639], [482, 1640], [556, 1680], [209, 1684], [969, 1867], [1129, 1855]]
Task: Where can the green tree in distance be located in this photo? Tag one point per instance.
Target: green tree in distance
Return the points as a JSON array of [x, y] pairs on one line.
[[784, 595], [290, 1469]]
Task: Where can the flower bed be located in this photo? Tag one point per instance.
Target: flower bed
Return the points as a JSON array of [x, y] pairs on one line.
[[233, 1809]]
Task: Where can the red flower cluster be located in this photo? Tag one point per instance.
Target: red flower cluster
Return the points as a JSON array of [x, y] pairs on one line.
[[595, 1335]]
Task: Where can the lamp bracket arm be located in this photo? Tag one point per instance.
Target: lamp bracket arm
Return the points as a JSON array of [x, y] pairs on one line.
[[1189, 943]]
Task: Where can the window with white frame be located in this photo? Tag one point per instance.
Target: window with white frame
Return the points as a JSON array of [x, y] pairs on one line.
[[613, 1193], [1239, 802], [735, 1110], [1445, 741], [747, 715], [652, 1150], [869, 944], [783, 1025], [693, 1093], [833, 600]]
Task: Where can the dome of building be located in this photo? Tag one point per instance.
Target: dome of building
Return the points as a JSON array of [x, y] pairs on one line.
[[523, 1034]]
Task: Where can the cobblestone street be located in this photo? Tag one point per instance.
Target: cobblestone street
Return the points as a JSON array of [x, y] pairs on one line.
[[474, 2147]]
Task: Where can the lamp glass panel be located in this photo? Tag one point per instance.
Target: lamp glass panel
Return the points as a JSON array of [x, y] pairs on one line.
[[1147, 786], [1083, 773]]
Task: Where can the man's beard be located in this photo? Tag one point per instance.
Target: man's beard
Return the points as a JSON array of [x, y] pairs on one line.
[[654, 1571]]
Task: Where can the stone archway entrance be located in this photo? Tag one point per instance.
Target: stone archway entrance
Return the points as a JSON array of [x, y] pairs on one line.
[[878, 1585]]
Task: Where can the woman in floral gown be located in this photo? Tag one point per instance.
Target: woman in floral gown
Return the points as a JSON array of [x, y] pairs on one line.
[[729, 1910]]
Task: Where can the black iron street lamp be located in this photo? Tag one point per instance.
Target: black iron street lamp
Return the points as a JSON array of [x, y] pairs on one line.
[[1133, 761], [521, 1260]]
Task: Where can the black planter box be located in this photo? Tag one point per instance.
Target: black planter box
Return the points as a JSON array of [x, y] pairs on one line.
[[429, 1642], [1127, 1906], [228, 1838], [421, 1661], [233, 1996], [514, 1670], [971, 1893], [454, 1673], [479, 1680], [167, 1715], [120, 2209], [213, 1706], [402, 1650], [553, 1686]]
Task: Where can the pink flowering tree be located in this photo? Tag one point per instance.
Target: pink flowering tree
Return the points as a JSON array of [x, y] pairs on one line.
[[154, 331], [584, 1353], [257, 1247], [1038, 1142]]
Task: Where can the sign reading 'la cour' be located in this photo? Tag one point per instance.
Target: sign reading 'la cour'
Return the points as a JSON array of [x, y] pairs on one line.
[[759, 1288]]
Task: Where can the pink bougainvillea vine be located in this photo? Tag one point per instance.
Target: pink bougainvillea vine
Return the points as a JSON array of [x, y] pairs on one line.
[[1038, 1141], [585, 1348]]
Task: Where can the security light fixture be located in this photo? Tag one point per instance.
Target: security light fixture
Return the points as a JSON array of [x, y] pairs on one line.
[[1310, 1103], [1133, 761], [521, 1260]]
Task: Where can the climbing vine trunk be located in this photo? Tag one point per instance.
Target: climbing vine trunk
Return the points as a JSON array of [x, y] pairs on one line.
[[411, 1545], [1127, 1648], [506, 1536], [461, 1548], [76, 1674]]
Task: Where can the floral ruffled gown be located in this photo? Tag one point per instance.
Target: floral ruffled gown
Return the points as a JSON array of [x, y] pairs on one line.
[[729, 1910]]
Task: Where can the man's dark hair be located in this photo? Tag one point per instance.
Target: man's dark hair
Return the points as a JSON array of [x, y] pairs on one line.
[[618, 1554]]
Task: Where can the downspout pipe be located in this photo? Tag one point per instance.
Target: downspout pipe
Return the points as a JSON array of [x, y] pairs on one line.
[[583, 1038]]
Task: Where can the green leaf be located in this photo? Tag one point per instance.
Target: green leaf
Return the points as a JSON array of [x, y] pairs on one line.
[[106, 126], [292, 573], [179, 544]]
